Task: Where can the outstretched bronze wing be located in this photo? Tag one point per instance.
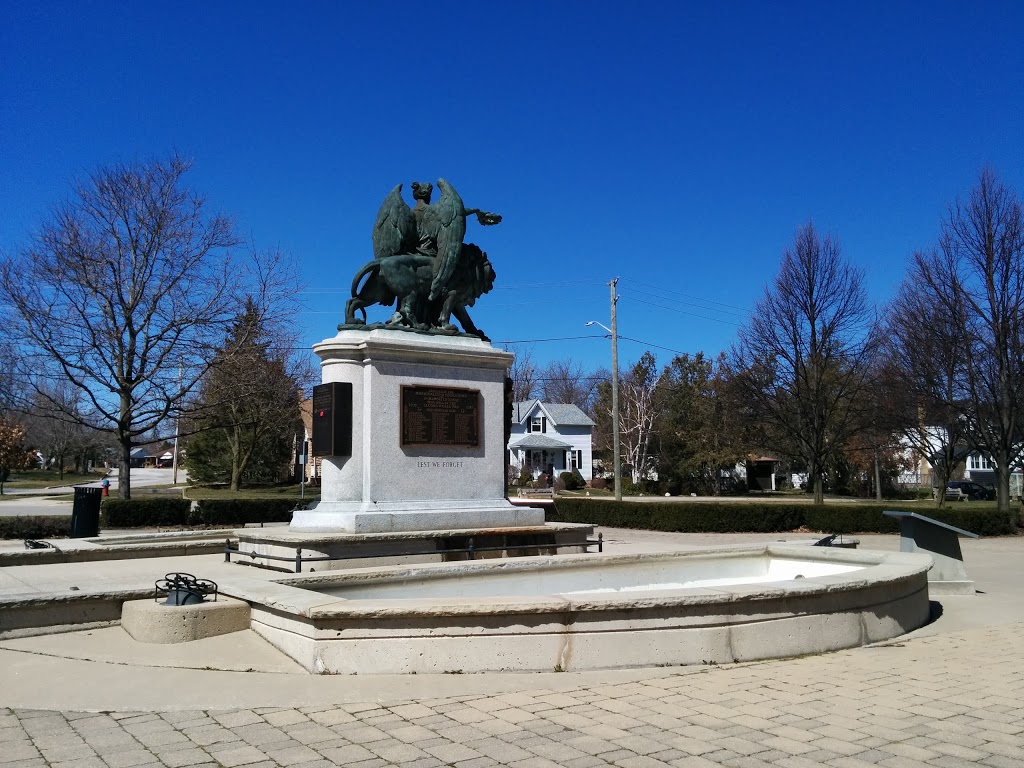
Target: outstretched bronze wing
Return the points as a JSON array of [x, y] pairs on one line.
[[395, 229], [447, 222]]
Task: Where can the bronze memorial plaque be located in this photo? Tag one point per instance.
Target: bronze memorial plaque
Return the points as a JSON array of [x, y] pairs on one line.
[[440, 416]]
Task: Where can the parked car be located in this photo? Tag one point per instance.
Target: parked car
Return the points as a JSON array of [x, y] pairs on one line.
[[964, 490]]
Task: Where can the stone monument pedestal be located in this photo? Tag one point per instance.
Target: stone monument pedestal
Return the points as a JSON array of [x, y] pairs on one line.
[[427, 475], [427, 456]]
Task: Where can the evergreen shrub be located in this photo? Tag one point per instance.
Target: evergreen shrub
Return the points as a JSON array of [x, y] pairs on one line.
[[572, 481]]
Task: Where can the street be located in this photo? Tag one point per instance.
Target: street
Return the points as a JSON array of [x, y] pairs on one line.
[[46, 501]]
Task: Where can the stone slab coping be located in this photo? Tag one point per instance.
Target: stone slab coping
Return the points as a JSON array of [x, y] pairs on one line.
[[385, 344], [932, 521], [308, 538], [83, 550], [533, 500], [161, 536]]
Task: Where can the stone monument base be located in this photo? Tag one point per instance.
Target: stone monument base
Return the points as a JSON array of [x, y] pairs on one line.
[[305, 551], [396, 516], [428, 436]]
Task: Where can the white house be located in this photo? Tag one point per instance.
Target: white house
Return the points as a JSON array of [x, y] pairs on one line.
[[972, 465], [552, 438]]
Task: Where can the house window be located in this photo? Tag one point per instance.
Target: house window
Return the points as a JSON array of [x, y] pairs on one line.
[[538, 424], [576, 459], [976, 461]]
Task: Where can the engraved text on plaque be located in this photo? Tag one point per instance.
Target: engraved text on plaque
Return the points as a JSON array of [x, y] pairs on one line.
[[440, 416]]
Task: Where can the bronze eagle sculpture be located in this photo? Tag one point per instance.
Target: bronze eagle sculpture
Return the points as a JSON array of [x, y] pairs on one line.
[[421, 261]]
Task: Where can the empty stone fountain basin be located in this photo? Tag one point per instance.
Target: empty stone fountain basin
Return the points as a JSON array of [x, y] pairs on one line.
[[588, 577], [576, 612]]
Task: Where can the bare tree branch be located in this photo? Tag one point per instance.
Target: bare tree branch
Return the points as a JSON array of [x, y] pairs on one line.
[[802, 359], [123, 292]]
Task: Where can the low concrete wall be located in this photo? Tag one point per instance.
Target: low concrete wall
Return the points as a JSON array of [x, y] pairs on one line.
[[25, 616], [886, 598]]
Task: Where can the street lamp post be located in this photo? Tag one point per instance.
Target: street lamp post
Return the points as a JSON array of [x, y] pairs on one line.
[[613, 332]]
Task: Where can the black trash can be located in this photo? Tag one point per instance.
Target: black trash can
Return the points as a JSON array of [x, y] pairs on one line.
[[85, 514]]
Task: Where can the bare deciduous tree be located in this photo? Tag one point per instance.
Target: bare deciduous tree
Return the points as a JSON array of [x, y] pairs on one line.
[[566, 381], [976, 278], [925, 379], [52, 431], [124, 292], [801, 360], [638, 411], [523, 373]]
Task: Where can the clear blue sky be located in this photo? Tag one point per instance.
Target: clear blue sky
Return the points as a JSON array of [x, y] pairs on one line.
[[675, 145]]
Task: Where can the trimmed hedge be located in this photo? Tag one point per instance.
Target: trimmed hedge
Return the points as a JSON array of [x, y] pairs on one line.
[[35, 527], [175, 512], [242, 511], [761, 517], [145, 512]]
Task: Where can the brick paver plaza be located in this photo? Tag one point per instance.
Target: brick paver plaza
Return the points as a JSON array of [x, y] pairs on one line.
[[946, 699]]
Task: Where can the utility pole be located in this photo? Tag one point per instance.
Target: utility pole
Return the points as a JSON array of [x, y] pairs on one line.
[[614, 333], [615, 393], [177, 428]]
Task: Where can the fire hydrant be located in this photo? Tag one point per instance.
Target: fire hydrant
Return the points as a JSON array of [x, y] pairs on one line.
[[106, 486]]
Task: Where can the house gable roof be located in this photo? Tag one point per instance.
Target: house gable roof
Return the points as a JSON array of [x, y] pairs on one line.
[[520, 411], [538, 441], [559, 414]]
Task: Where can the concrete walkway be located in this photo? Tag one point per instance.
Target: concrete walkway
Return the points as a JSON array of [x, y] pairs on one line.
[[950, 694]]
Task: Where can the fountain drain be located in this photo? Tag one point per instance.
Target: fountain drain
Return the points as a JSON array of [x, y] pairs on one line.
[[183, 610], [184, 589]]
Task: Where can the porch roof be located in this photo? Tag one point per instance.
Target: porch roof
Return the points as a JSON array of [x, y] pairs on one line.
[[539, 441]]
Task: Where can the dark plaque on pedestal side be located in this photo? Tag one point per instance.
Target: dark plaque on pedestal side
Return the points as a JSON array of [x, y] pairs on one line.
[[441, 416], [332, 419]]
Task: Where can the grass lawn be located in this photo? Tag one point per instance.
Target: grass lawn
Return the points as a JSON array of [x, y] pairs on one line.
[[199, 492], [48, 478]]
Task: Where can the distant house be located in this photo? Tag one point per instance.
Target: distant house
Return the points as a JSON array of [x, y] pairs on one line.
[[551, 438], [980, 468], [970, 465], [304, 445], [760, 473], [153, 455]]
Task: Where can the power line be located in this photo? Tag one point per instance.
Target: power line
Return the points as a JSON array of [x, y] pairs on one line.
[[538, 341], [605, 336], [503, 287], [709, 309], [685, 295], [649, 344], [681, 311], [558, 284]]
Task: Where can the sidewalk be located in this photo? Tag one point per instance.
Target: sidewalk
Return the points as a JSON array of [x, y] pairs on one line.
[[950, 694]]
